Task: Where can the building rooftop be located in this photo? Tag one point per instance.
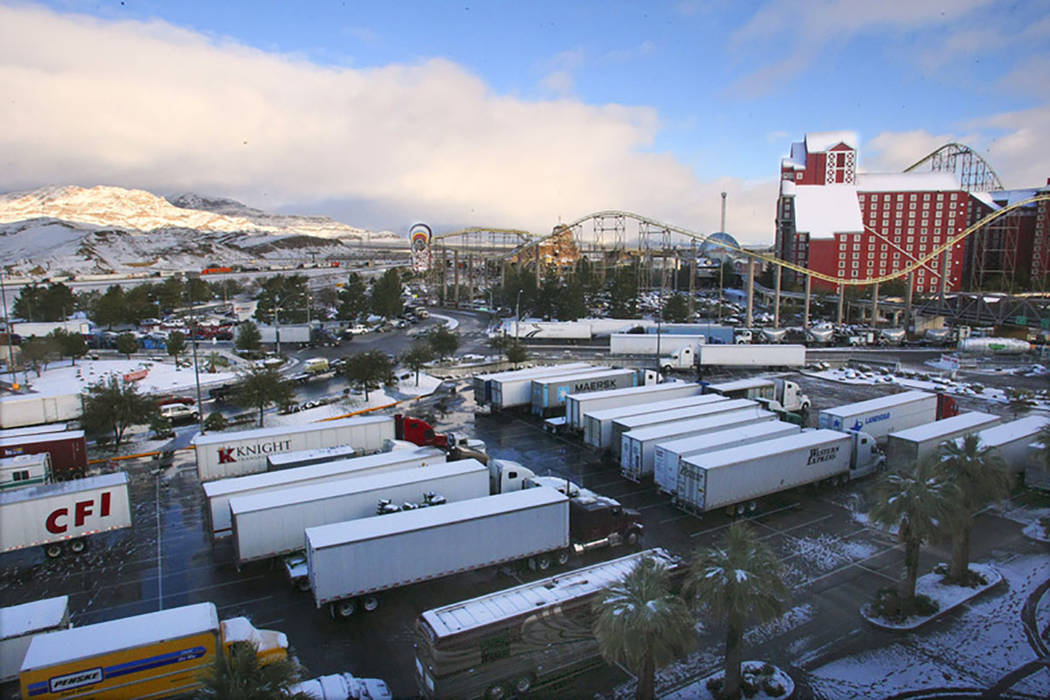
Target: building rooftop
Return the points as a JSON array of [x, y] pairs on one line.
[[907, 182], [824, 210], [819, 141]]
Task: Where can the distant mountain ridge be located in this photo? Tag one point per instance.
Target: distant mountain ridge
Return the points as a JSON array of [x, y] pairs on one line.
[[110, 229]]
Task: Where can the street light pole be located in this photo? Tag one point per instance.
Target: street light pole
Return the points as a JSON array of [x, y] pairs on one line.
[[196, 367], [517, 314], [10, 344]]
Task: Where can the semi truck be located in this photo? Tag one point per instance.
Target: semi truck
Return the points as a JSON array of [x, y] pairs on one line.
[[304, 458], [39, 409], [20, 623], [218, 493], [647, 420], [483, 382], [669, 454], [889, 414], [776, 355], [158, 654], [59, 516], [638, 447], [906, 446], [549, 393], [577, 405], [651, 343], [737, 478], [351, 562], [267, 525], [516, 392], [221, 455], [597, 426], [778, 394], [24, 470], [68, 450], [548, 624]]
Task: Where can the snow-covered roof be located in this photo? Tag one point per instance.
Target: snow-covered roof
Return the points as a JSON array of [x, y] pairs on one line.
[[999, 435], [423, 518], [796, 159], [90, 483], [654, 407], [1008, 197], [228, 437], [34, 616], [852, 409], [629, 391], [703, 423], [824, 210], [591, 374], [32, 438], [907, 182], [985, 198], [533, 371], [535, 596], [632, 422], [250, 482], [353, 484], [738, 384], [947, 427], [709, 441], [787, 188], [278, 461], [107, 637], [819, 141], [723, 458]]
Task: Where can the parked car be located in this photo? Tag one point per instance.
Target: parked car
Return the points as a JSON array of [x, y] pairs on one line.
[[179, 413]]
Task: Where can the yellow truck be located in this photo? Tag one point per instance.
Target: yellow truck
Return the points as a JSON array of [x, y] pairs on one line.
[[145, 656]]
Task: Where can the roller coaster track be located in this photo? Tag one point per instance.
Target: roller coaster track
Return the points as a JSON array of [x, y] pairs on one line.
[[975, 174]]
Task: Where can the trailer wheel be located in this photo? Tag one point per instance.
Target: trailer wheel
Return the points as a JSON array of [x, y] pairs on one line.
[[543, 562], [370, 603], [345, 608], [752, 506], [303, 584], [632, 537], [562, 557], [523, 684], [740, 508], [77, 546], [496, 691], [53, 550]]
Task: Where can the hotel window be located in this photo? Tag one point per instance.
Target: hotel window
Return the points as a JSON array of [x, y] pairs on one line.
[[883, 246], [913, 197], [940, 196], [897, 230], [896, 254], [900, 197], [885, 205], [940, 205], [926, 197], [912, 205], [855, 264]]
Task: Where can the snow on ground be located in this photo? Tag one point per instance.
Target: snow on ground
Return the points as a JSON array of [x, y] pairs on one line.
[[946, 596], [973, 647], [64, 378], [450, 323], [406, 390], [699, 691]]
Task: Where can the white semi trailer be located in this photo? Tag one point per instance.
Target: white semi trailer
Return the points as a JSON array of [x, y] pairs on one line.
[[63, 514], [629, 423], [1010, 441], [20, 623], [782, 394], [884, 415], [221, 455], [578, 405], [483, 382], [351, 562], [304, 458], [651, 343], [516, 391], [220, 492], [638, 447], [39, 409], [598, 426], [549, 393], [737, 478], [669, 454], [711, 355], [906, 446]]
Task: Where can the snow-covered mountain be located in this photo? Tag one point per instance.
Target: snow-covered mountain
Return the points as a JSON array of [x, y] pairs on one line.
[[111, 229]]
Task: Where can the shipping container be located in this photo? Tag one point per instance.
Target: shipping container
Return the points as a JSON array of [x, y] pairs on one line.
[[883, 415], [549, 393], [483, 382], [598, 426], [68, 450], [38, 409], [737, 478], [221, 455], [515, 392], [20, 623], [638, 447], [669, 454], [629, 423], [304, 458], [360, 558], [576, 405], [218, 493], [906, 446], [63, 513], [272, 524]]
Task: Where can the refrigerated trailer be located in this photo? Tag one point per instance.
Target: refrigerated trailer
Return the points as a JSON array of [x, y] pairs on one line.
[[886, 414], [629, 423], [304, 458], [483, 382], [638, 447], [709, 355], [516, 391], [598, 426], [549, 393], [737, 478], [221, 455], [272, 524], [39, 409], [651, 343], [577, 405], [20, 623], [218, 493], [786, 394], [63, 514], [1010, 441], [357, 559], [669, 454], [68, 450], [906, 446]]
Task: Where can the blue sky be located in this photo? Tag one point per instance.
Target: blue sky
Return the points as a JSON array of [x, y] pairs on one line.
[[535, 111]]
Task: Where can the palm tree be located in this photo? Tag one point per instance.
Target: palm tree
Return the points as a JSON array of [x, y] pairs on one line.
[[916, 501], [733, 583], [979, 478], [238, 676], [1043, 456], [642, 624]]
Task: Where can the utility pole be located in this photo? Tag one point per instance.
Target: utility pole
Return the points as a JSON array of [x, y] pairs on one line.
[[196, 367], [7, 328], [722, 261]]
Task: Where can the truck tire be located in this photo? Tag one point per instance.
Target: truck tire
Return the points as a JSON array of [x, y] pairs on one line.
[[543, 562], [632, 538], [53, 550], [740, 508], [523, 684], [78, 545], [303, 584], [562, 557], [752, 506], [344, 608], [370, 603], [496, 691]]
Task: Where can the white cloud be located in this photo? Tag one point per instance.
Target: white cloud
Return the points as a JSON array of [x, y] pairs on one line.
[[148, 104], [893, 151]]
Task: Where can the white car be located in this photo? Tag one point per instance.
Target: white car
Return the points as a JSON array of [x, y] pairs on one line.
[[179, 412]]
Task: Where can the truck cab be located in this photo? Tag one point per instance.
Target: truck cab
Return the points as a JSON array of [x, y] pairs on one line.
[[600, 522], [867, 456], [271, 645], [684, 358]]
